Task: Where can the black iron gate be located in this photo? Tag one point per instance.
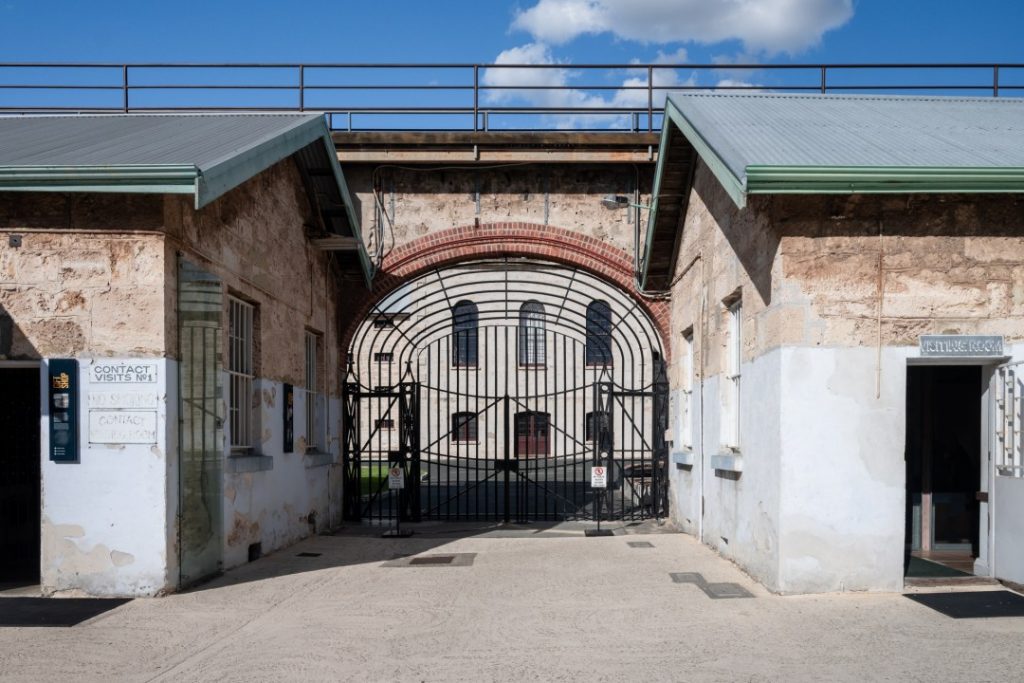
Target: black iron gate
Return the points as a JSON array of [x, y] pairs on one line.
[[496, 387]]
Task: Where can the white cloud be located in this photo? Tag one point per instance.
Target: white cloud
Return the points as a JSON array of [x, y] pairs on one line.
[[562, 75], [769, 26]]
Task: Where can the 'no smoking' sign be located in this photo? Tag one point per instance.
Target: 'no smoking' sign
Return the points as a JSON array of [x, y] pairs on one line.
[[598, 477]]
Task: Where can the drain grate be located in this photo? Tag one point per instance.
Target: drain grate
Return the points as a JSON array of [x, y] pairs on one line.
[[640, 544], [719, 591], [433, 559], [688, 577], [450, 560], [309, 555], [715, 591]]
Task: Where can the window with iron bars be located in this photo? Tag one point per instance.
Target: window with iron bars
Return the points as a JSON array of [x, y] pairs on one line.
[[464, 427], [730, 432], [314, 432], [240, 373]]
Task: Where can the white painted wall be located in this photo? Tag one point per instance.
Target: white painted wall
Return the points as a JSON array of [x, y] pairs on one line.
[[820, 503], [1008, 498], [268, 498], [106, 527], [741, 509], [843, 471]]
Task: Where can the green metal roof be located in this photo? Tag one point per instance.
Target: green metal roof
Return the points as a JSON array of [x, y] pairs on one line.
[[767, 143], [204, 155]]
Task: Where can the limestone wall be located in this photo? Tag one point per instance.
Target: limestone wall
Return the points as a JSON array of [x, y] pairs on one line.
[[419, 202], [86, 279]]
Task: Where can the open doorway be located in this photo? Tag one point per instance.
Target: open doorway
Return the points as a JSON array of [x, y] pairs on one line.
[[20, 473], [943, 459]]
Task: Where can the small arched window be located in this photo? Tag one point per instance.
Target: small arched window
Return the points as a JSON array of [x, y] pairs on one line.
[[599, 333], [465, 321], [532, 350]]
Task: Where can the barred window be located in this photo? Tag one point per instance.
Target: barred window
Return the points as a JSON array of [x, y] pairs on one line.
[[532, 349], [599, 333], [465, 320], [240, 372], [464, 427], [314, 432]]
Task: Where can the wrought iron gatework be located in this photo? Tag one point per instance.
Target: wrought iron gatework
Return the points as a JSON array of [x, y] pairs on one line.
[[496, 386]]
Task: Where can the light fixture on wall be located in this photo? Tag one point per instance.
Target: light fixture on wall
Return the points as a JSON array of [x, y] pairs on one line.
[[618, 201]]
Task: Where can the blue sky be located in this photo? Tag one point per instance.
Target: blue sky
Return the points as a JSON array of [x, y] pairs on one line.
[[477, 30], [527, 31]]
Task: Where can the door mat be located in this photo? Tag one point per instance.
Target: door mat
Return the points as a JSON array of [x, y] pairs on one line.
[[974, 604], [920, 568], [54, 611]]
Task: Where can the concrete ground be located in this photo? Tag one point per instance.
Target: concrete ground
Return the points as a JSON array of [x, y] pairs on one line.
[[550, 606]]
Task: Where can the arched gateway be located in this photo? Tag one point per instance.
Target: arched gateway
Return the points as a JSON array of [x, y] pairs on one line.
[[497, 385]]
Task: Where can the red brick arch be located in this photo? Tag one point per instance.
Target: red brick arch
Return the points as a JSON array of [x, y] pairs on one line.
[[495, 240]]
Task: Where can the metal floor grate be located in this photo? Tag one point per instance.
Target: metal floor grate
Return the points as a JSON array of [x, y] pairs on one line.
[[640, 544], [433, 559]]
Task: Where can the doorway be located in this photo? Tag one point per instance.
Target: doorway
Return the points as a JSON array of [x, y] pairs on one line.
[[943, 460], [20, 474]]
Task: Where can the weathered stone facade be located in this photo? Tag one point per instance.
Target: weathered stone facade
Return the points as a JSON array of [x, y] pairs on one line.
[[835, 292], [94, 277]]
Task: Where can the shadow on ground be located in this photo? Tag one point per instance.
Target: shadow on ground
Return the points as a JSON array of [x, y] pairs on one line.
[[355, 544]]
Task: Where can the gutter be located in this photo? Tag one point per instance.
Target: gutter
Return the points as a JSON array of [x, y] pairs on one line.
[[160, 179], [881, 180]]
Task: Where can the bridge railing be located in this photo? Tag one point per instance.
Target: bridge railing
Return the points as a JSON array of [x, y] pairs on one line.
[[453, 97]]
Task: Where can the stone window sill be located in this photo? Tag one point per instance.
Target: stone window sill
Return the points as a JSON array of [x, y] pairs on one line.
[[318, 459], [727, 462], [683, 458], [249, 462]]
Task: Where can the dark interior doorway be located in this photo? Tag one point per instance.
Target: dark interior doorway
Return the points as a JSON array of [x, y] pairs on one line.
[[20, 473], [943, 459]]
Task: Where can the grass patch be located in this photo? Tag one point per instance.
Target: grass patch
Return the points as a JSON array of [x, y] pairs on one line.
[[373, 477]]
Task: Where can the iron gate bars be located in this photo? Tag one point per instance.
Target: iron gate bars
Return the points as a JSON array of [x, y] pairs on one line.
[[439, 381], [446, 96]]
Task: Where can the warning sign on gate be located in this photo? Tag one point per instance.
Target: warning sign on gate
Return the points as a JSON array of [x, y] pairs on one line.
[[598, 477], [396, 478]]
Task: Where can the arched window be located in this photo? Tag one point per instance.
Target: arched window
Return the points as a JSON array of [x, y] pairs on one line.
[[532, 349], [532, 433], [599, 333], [465, 320]]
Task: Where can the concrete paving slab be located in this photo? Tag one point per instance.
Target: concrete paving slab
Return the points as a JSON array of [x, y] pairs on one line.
[[556, 608]]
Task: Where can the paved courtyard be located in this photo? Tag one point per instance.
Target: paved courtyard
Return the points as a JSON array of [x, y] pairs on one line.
[[547, 605]]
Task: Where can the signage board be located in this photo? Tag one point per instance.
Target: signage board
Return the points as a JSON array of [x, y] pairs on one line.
[[396, 478], [123, 372], [123, 399], [63, 409], [122, 426], [961, 345], [598, 477]]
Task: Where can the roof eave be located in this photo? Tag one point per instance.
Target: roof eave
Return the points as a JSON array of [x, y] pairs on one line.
[[734, 186]]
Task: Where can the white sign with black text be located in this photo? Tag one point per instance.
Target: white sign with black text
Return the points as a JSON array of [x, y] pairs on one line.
[[396, 478], [598, 477]]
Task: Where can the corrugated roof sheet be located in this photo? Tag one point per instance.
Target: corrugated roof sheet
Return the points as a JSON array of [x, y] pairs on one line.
[[200, 140], [766, 129]]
